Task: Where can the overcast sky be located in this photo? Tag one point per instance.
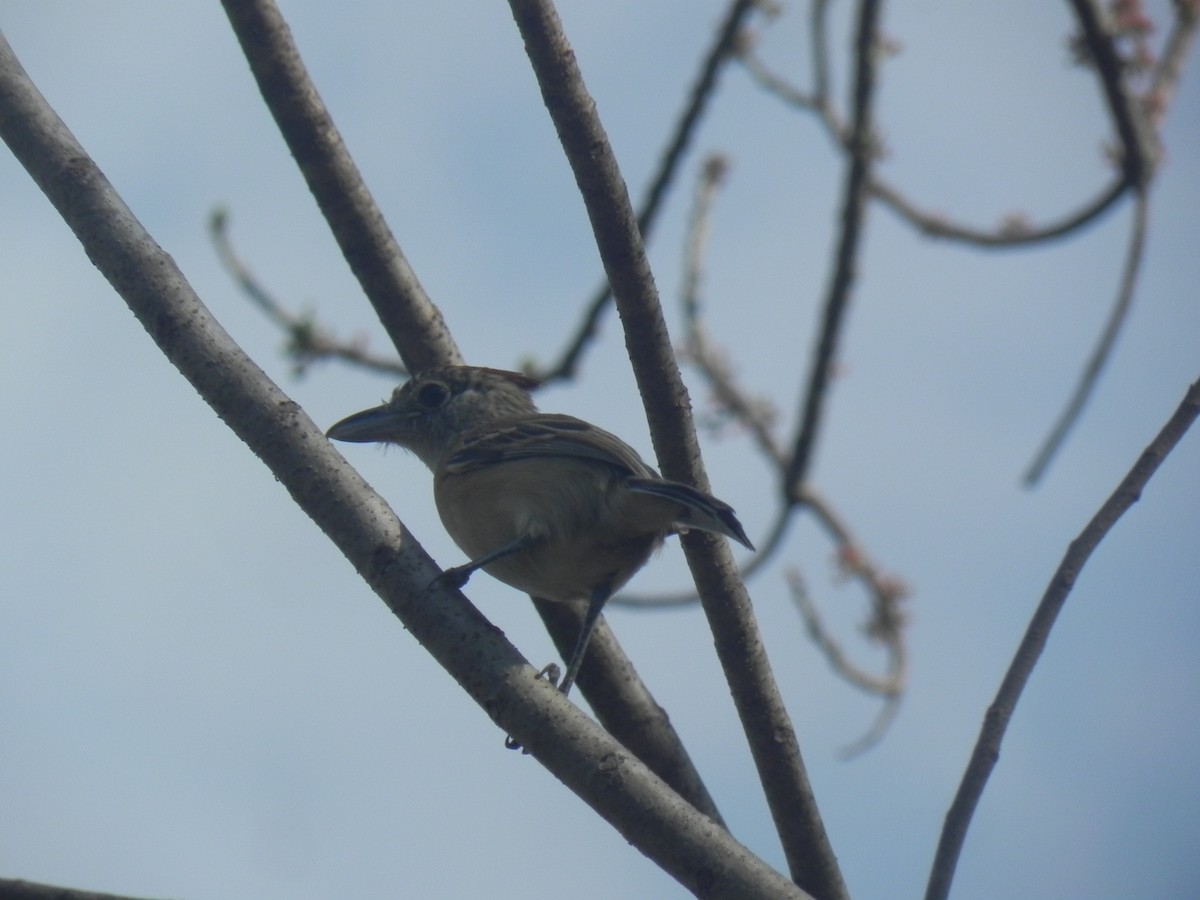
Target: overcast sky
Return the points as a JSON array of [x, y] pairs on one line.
[[200, 699]]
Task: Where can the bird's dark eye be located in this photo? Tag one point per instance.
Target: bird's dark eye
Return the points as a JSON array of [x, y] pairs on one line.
[[432, 395]]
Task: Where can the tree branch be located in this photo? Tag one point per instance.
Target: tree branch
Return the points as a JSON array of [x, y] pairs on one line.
[[579, 753], [854, 195], [17, 889], [413, 323], [625, 707], [701, 92], [307, 341], [999, 714], [1138, 142], [1108, 338], [739, 646]]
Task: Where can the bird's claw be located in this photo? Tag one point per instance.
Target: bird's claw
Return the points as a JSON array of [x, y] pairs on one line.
[[453, 579], [551, 672]]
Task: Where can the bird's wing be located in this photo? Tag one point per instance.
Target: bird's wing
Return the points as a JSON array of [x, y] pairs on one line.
[[542, 436]]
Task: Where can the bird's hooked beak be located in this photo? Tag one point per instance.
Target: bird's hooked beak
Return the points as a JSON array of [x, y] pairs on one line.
[[380, 423]]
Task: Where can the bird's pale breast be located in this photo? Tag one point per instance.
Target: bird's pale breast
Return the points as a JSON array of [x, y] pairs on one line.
[[587, 529]]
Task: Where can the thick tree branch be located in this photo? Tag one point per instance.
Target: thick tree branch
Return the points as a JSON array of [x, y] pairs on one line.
[[625, 707], [999, 714], [412, 322], [695, 850], [739, 646]]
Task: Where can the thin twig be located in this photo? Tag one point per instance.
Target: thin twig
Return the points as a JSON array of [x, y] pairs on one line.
[[1108, 338], [1011, 234], [987, 747], [889, 686], [1169, 69], [757, 415], [819, 43], [698, 97], [1139, 144], [766, 549], [307, 340], [854, 195]]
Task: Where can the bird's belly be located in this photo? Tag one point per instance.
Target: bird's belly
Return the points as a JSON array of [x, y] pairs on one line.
[[574, 546]]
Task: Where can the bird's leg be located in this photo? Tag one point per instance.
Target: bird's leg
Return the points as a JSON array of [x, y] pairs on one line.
[[590, 617], [595, 603], [460, 575]]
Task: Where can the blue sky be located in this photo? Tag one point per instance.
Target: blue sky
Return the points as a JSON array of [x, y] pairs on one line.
[[201, 699]]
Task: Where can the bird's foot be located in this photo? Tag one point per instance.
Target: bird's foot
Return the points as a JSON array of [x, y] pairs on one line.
[[551, 672], [453, 579]]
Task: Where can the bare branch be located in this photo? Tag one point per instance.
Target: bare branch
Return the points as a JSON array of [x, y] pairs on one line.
[[999, 714], [755, 414], [1168, 71], [698, 99], [625, 707], [1009, 234], [307, 340], [1108, 338], [854, 194], [767, 547], [885, 624], [1139, 145], [889, 686], [810, 858], [579, 753], [412, 322], [16, 889]]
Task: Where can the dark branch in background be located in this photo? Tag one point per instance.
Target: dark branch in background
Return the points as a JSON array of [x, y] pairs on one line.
[[1134, 116], [1139, 144], [1169, 68], [16, 889], [886, 621], [819, 42], [862, 149], [308, 342], [1016, 231], [999, 714], [698, 98], [765, 721], [1100, 355], [890, 686], [767, 547], [756, 414], [578, 752], [412, 322]]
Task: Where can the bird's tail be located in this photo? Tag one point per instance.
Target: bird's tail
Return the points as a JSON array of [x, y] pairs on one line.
[[696, 508]]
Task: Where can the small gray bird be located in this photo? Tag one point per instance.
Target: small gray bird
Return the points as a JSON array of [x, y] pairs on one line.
[[548, 504]]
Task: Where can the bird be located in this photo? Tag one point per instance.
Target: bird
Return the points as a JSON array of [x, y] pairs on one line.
[[546, 503]]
